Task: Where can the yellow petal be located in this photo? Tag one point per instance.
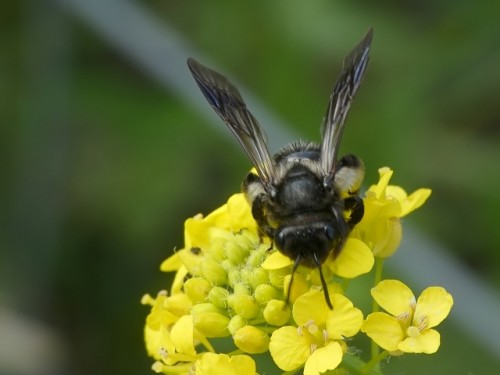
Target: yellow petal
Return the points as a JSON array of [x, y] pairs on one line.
[[153, 341], [344, 320], [289, 349], [240, 213], [433, 306], [196, 232], [427, 342], [276, 261], [388, 238], [191, 258], [414, 201], [299, 287], [394, 297], [376, 209], [182, 335], [172, 263], [396, 192], [179, 280], [385, 174], [323, 359], [303, 313], [216, 364], [354, 259], [384, 329]]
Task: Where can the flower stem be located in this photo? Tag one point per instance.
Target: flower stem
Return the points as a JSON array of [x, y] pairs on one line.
[[374, 362], [379, 265]]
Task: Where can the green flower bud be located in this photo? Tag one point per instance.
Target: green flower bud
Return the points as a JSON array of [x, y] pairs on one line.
[[213, 272], [233, 277], [264, 293], [217, 252], [277, 276], [258, 277], [227, 265], [218, 297], [211, 324], [236, 323], [251, 340], [245, 274], [256, 257], [204, 308], [235, 252], [197, 289], [246, 306], [277, 312], [242, 289]]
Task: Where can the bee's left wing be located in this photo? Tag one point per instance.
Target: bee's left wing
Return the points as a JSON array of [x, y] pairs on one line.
[[340, 101], [227, 102]]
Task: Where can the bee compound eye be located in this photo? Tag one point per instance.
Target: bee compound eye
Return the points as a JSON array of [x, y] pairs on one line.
[[329, 232]]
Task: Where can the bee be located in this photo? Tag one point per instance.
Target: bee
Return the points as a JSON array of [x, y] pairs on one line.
[[303, 198]]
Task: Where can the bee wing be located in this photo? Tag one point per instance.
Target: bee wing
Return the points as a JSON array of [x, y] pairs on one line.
[[227, 102], [353, 71]]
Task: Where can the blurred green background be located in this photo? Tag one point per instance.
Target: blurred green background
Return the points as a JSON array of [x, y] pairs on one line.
[[102, 160]]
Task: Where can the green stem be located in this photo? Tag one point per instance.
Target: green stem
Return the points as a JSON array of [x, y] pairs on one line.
[[374, 362], [379, 265]]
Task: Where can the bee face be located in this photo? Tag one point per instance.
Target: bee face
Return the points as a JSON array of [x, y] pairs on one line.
[[303, 198]]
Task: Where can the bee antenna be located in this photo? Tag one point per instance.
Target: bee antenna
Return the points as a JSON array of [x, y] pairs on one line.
[[295, 265], [323, 282]]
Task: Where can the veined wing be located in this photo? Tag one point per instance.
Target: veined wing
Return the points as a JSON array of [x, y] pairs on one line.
[[227, 102], [346, 87]]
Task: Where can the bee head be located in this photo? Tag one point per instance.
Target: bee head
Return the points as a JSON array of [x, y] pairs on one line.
[[313, 243], [310, 245]]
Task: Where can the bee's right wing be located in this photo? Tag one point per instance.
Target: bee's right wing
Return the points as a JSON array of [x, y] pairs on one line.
[[346, 87], [227, 102]]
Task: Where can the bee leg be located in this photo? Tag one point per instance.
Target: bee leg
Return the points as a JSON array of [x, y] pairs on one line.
[[357, 208], [260, 218]]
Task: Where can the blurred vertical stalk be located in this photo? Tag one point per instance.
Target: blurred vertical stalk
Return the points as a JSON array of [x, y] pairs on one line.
[[41, 161]]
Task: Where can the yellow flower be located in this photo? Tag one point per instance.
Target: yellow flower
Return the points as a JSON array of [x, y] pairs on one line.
[[228, 284], [169, 333], [317, 343], [216, 364], [409, 327], [385, 204]]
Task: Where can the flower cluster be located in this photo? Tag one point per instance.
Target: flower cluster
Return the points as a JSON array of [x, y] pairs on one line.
[[228, 299]]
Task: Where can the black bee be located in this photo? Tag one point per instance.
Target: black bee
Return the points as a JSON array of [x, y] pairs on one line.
[[303, 198]]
